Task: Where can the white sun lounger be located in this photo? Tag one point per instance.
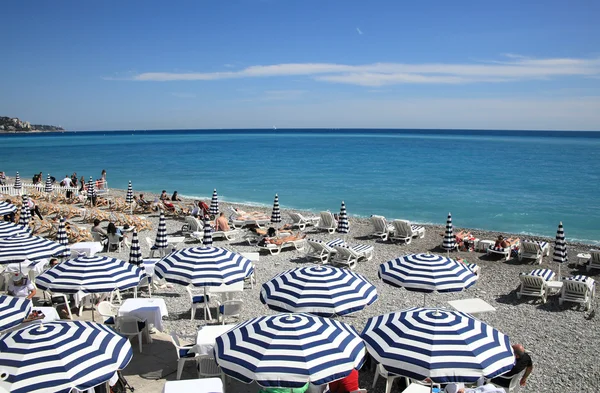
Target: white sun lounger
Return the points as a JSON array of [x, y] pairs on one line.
[[348, 256], [534, 250], [301, 222], [275, 249], [192, 224], [405, 231], [535, 284], [381, 228], [505, 252], [327, 222], [578, 289], [594, 261], [240, 223], [322, 251]]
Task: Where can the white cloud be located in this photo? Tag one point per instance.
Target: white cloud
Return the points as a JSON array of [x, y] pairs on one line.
[[359, 31], [510, 68]]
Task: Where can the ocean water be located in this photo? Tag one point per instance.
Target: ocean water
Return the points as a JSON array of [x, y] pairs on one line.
[[513, 181]]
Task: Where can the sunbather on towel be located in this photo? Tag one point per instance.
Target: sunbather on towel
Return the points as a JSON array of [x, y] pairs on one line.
[[280, 240], [501, 242]]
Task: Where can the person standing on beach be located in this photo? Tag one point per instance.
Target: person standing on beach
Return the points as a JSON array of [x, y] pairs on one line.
[[103, 179], [522, 362]]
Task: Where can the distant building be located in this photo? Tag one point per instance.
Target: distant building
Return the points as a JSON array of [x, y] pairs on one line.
[[2, 128]]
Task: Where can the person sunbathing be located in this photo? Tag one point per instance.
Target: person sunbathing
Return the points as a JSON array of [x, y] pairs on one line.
[[501, 242], [278, 241]]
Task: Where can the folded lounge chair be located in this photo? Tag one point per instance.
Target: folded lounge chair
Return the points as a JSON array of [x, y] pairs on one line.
[[578, 289], [327, 222], [280, 244], [381, 228], [405, 231], [322, 251], [301, 222], [534, 250], [535, 284], [504, 251], [594, 261], [348, 256], [231, 234]]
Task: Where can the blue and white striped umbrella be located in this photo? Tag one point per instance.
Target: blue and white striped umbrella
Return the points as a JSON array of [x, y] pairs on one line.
[[13, 310], [560, 254], [98, 274], [7, 208], [318, 290], [207, 239], [161, 232], [445, 346], [276, 214], [129, 196], [48, 186], [17, 185], [21, 247], [8, 229], [203, 266], [289, 350], [214, 203], [25, 212], [60, 356], [449, 242], [343, 225], [427, 273], [62, 238], [135, 251]]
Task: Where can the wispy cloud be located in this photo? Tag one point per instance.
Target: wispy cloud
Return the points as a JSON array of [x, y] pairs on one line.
[[509, 68], [359, 31]]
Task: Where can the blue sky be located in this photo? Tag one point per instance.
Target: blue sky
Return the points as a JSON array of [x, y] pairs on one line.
[[286, 63]]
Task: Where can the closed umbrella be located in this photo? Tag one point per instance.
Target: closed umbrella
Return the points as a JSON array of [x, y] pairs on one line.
[[289, 350], [207, 239], [61, 356], [25, 212], [129, 196], [560, 255], [13, 310], [48, 186], [445, 346], [427, 273], [62, 238], [276, 214], [91, 192], [18, 185], [449, 242], [7, 208], [160, 242], [318, 290], [343, 225], [214, 204], [135, 251], [8, 229], [21, 247]]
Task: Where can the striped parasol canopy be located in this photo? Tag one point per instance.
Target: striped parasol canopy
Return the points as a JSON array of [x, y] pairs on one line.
[[25, 212], [343, 225], [8, 229], [17, 185], [289, 350], [97, 274], [13, 310], [560, 254], [161, 232], [203, 266], [449, 242], [207, 239], [61, 356], [214, 203], [7, 208], [48, 186], [427, 273], [276, 214], [319, 290], [21, 247], [135, 251], [445, 346], [129, 196], [63, 239]]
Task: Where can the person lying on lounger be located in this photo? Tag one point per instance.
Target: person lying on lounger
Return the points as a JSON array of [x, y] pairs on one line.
[[501, 242], [280, 240]]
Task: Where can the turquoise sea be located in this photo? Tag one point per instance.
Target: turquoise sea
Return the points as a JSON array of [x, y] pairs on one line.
[[514, 181]]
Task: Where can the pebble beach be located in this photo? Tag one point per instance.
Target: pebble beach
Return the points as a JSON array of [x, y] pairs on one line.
[[560, 339]]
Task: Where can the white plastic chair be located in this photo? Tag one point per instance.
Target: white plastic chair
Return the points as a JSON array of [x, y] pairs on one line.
[[208, 367], [380, 371], [184, 353], [197, 298], [145, 282], [131, 326], [108, 312], [381, 228], [578, 289], [535, 285], [319, 250], [405, 231], [301, 222], [533, 250], [327, 222], [114, 240], [230, 308], [150, 245], [594, 261]]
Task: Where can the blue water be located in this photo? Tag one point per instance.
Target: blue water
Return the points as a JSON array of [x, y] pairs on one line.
[[521, 182]]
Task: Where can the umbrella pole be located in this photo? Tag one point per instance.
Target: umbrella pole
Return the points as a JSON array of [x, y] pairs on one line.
[[559, 265]]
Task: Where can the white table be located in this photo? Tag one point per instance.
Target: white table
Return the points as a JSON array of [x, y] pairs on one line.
[[554, 287], [204, 385], [88, 248], [583, 258], [226, 290], [417, 388], [471, 306], [148, 266], [152, 310], [175, 240], [207, 337], [50, 313], [27, 265]]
